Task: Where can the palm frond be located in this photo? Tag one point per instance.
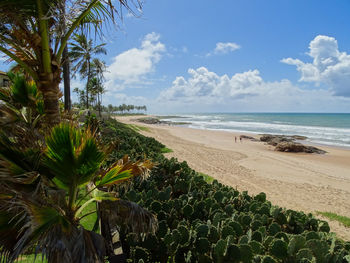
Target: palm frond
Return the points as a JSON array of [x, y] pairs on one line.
[[72, 155], [130, 215]]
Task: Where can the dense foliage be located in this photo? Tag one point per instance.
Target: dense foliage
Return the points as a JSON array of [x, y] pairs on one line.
[[201, 222], [50, 177]]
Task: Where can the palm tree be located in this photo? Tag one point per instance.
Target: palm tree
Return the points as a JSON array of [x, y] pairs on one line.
[[81, 54], [44, 194], [98, 69], [32, 36]]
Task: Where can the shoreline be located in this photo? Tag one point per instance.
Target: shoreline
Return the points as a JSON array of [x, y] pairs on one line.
[[298, 181], [309, 141], [237, 132], [257, 135]]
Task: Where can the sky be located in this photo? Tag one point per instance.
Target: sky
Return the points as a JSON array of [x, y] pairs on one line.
[[230, 56]]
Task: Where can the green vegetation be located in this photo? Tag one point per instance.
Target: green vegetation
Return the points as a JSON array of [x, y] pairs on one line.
[[138, 127], [333, 216], [55, 181], [36, 41], [206, 178], [166, 150], [125, 110], [91, 68], [202, 222]]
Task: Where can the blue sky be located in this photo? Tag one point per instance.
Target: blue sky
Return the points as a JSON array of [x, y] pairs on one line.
[[232, 56]]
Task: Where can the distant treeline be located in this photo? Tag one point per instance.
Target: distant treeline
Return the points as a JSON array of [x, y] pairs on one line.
[[121, 109]]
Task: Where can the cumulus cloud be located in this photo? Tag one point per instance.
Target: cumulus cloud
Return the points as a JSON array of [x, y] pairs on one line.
[[224, 48], [134, 64], [329, 66], [245, 91], [204, 83]]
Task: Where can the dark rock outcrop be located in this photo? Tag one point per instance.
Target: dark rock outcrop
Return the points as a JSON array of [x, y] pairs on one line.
[[275, 139], [285, 143], [150, 120], [297, 147]]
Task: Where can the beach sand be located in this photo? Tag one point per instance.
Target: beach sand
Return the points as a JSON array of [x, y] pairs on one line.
[[299, 181]]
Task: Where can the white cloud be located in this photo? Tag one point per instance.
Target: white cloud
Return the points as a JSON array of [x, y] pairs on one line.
[[204, 83], [224, 48], [134, 64], [329, 66], [247, 91]]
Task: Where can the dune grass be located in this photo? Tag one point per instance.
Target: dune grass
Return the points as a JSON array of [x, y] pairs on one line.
[[138, 127], [333, 216], [206, 177], [166, 150]]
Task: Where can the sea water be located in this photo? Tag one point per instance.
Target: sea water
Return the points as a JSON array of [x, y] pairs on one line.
[[321, 128]]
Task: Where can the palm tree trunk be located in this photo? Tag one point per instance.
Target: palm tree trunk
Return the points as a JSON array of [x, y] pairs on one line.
[[48, 80], [66, 79], [50, 90], [87, 85], [65, 64], [99, 103]]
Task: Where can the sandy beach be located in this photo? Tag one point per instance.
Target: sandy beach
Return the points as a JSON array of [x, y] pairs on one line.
[[306, 182]]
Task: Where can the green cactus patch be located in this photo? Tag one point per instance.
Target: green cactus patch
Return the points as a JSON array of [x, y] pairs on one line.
[[233, 254], [202, 245], [246, 253], [311, 235], [318, 247], [213, 235], [257, 236], [202, 230], [219, 196], [256, 247], [304, 253], [260, 197], [274, 228], [268, 259], [236, 227], [295, 244], [243, 239], [156, 206], [283, 236], [278, 249], [187, 210], [256, 224], [185, 234], [245, 220], [323, 227], [200, 222], [220, 248], [226, 231]]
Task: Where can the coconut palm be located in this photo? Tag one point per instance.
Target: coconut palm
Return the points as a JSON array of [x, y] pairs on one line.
[[44, 195], [81, 55], [31, 34]]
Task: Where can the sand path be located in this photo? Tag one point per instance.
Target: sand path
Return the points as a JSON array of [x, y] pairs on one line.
[[296, 181]]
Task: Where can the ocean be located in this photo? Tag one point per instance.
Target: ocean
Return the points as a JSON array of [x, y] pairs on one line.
[[320, 128]]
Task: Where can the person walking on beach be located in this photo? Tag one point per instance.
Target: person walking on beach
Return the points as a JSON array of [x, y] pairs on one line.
[[235, 138], [240, 139]]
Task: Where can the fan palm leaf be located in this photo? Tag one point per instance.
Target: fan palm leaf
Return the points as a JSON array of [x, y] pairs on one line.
[[72, 155]]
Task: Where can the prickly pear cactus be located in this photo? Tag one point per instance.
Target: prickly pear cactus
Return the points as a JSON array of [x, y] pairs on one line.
[[202, 230], [246, 253], [278, 249], [202, 245]]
